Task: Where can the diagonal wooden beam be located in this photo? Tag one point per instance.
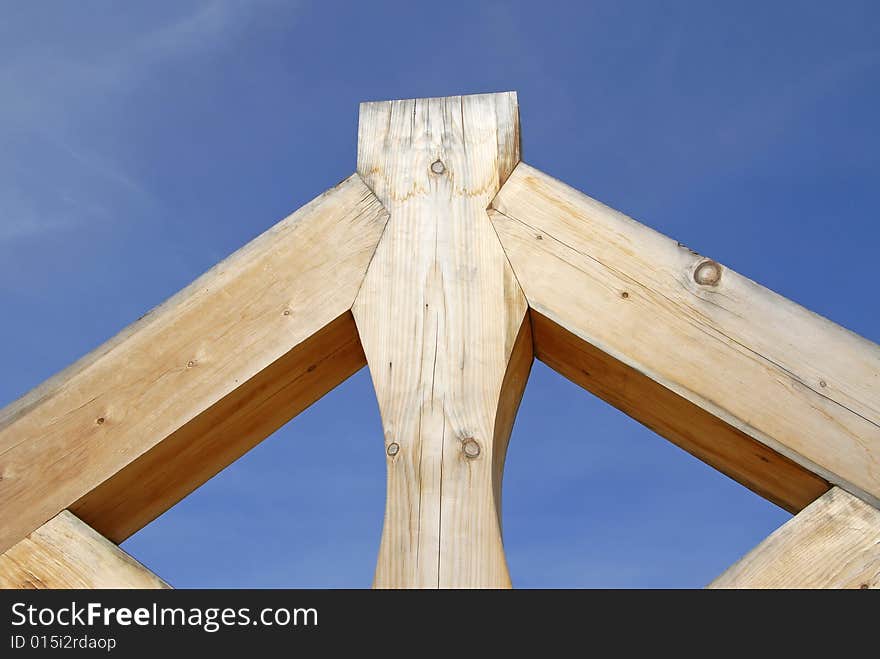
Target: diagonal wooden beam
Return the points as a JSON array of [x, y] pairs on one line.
[[832, 543], [444, 327], [132, 428], [66, 553], [776, 397], [771, 394]]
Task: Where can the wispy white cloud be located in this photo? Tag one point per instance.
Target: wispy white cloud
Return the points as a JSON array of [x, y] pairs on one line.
[[48, 95], [758, 123], [196, 30]]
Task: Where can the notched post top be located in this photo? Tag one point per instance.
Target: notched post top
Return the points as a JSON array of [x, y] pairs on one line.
[[470, 143], [441, 304]]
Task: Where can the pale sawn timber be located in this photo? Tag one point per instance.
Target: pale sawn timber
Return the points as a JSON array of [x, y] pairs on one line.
[[135, 426], [67, 553], [778, 398], [444, 327], [832, 543], [768, 392]]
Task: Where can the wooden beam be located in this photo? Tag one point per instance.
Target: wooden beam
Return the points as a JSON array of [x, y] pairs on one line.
[[444, 327], [66, 553], [215, 438], [832, 543], [771, 394], [674, 417], [130, 429]]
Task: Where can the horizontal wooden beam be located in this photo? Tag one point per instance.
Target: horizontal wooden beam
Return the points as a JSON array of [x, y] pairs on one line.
[[130, 429], [66, 553], [833, 543], [764, 390]]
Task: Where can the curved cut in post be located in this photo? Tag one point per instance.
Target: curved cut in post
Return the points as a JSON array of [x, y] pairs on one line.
[[444, 327]]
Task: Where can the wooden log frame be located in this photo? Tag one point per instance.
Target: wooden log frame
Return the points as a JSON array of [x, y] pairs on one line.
[[445, 264]]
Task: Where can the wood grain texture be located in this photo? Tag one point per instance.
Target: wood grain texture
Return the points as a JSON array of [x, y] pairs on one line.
[[833, 543], [765, 367], [218, 436], [697, 431], [66, 553], [130, 429], [444, 328]]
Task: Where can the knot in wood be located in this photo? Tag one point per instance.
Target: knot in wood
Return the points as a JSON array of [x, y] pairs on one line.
[[471, 448], [708, 273]]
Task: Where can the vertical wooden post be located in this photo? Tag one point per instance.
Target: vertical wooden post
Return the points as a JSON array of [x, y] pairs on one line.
[[444, 327]]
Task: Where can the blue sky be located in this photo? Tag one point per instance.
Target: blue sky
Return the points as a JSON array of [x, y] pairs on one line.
[[142, 143]]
